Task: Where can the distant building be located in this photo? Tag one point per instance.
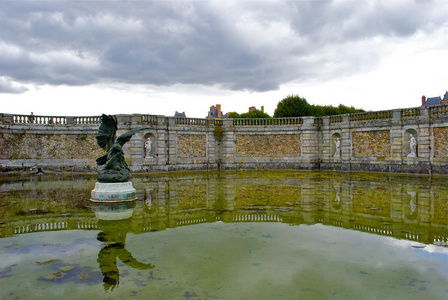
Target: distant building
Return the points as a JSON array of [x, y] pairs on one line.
[[180, 115], [435, 100], [216, 113], [254, 108], [445, 98]]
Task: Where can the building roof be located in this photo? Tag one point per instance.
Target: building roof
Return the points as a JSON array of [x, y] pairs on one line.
[[180, 115], [214, 112], [445, 97], [433, 101]]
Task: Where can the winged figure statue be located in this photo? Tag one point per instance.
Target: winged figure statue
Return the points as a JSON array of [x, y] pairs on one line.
[[115, 167]]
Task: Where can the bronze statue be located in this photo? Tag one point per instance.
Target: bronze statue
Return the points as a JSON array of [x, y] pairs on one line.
[[115, 167]]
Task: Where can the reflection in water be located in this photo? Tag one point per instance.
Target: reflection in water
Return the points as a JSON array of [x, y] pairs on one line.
[[256, 235], [404, 207], [115, 222]]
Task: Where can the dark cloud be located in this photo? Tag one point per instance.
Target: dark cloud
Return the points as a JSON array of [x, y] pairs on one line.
[[246, 45], [7, 86]]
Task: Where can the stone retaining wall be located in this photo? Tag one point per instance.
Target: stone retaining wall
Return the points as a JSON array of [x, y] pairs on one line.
[[372, 141], [191, 145], [267, 145], [441, 142], [48, 146]]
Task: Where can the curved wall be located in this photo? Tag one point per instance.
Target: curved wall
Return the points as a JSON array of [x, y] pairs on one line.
[[371, 141]]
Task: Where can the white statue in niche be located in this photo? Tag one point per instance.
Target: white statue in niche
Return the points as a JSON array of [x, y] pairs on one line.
[[148, 146], [413, 146], [337, 143]]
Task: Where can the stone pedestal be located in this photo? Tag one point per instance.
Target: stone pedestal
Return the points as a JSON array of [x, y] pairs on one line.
[[113, 192], [113, 211]]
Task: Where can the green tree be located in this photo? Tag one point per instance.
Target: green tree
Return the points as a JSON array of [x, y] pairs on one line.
[[234, 115], [295, 106], [292, 106], [349, 110], [255, 113]]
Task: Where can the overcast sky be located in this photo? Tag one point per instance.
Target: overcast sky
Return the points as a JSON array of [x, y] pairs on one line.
[[157, 57]]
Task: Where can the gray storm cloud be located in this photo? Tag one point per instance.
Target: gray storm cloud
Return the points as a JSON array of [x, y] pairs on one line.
[[241, 45]]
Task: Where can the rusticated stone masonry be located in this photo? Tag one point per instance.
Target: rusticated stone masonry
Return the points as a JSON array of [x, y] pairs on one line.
[[441, 142], [263, 145], [371, 143], [48, 146], [191, 145]]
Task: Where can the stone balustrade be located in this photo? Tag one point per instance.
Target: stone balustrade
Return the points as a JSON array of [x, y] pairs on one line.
[[336, 119], [438, 111], [372, 115], [38, 120], [191, 121], [87, 120], [408, 113], [149, 120], [267, 121]]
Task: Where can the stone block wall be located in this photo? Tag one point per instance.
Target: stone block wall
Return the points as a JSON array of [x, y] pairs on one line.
[[56, 146], [268, 145], [373, 141], [191, 145], [441, 142], [48, 146], [379, 141]]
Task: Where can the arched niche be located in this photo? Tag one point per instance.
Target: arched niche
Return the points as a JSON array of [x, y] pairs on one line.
[[410, 143], [149, 145], [335, 145]]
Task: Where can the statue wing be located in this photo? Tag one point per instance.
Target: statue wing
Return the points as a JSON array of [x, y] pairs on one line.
[[106, 133], [126, 137]]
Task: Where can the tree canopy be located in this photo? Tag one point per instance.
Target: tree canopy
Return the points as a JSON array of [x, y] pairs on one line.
[[255, 113], [292, 106], [295, 106]]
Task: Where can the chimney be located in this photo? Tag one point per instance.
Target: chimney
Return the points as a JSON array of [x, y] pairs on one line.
[[262, 109], [218, 107], [423, 100]]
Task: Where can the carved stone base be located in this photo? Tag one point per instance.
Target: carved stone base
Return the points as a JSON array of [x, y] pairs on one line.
[[113, 192]]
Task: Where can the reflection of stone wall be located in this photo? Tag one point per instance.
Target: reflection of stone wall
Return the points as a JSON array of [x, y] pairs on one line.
[[190, 197], [273, 145], [371, 143], [48, 146], [267, 194], [441, 142], [191, 145], [440, 208], [372, 202]]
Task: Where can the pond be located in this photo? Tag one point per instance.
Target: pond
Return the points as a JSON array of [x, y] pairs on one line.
[[227, 235]]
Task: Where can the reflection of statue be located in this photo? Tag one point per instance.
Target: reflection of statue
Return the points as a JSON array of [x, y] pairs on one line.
[[413, 146], [337, 199], [337, 203], [411, 209], [148, 148], [338, 147], [148, 200], [115, 167], [113, 236]]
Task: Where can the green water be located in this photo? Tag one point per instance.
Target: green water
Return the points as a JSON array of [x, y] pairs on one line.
[[246, 235]]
